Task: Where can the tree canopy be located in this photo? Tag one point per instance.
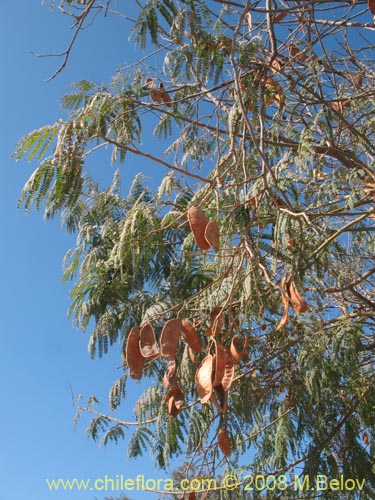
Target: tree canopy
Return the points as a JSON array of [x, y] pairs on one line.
[[242, 288]]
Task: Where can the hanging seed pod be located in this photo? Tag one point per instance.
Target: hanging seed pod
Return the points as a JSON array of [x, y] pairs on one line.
[[217, 322], [227, 379], [169, 338], [191, 336], [193, 357], [236, 354], [170, 377], [203, 379], [147, 342], [156, 96], [165, 96], [296, 301], [285, 299], [198, 222], [133, 356], [212, 235], [219, 398], [219, 364], [371, 6], [296, 52], [224, 442]]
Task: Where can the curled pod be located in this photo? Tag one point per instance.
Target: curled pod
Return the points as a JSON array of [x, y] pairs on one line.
[[133, 356], [147, 342], [219, 398], [198, 222], [237, 354], [296, 301], [203, 379]]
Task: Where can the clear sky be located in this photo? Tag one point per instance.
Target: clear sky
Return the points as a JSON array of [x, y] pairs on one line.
[[41, 354]]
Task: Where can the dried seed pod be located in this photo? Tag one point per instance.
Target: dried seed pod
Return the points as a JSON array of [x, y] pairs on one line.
[[212, 235], [224, 442], [191, 336], [340, 105], [198, 222], [169, 338], [296, 52], [296, 301], [219, 398], [371, 6], [227, 379], [170, 375], [216, 322], [235, 353], [156, 96], [203, 379], [193, 357], [285, 299], [165, 96], [219, 364], [147, 342], [134, 359]]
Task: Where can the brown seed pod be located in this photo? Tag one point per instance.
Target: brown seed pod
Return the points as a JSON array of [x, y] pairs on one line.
[[169, 338], [227, 379], [156, 96], [134, 359], [296, 301], [203, 378], [296, 52], [165, 96], [224, 442], [191, 336], [193, 357], [285, 299], [217, 322], [170, 375], [219, 364], [212, 235], [219, 398], [198, 222], [236, 354], [147, 342], [340, 105], [371, 6]]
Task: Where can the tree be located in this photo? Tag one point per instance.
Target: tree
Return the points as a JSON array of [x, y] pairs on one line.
[[251, 267]]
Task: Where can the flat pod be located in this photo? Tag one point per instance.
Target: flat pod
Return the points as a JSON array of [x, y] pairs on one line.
[[191, 336], [169, 338], [219, 363], [198, 222], [296, 301], [193, 357], [371, 6], [236, 354], [147, 342], [203, 379], [227, 379], [224, 442], [133, 356], [212, 235]]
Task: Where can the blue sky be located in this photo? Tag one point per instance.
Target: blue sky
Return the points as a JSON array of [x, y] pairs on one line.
[[41, 353]]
